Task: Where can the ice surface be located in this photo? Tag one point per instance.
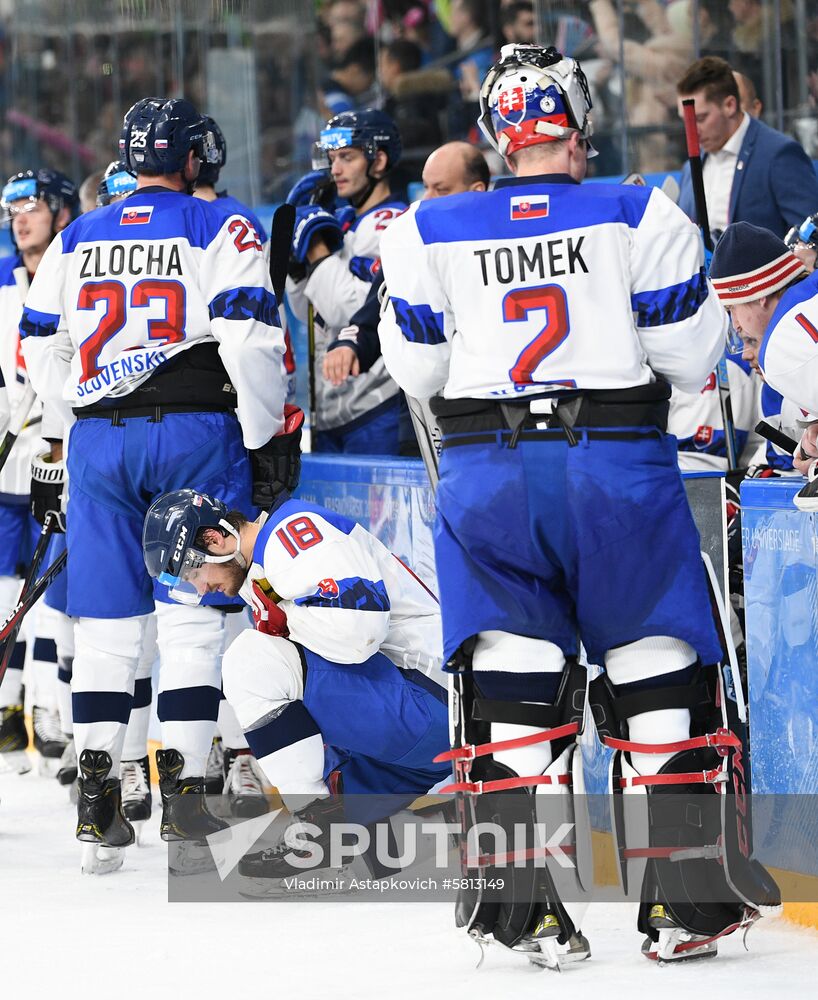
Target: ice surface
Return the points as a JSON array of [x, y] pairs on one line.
[[69, 936]]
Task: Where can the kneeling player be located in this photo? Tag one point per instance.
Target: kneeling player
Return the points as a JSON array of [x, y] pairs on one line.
[[345, 653]]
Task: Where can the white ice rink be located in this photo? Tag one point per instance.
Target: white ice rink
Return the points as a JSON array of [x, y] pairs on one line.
[[65, 935]]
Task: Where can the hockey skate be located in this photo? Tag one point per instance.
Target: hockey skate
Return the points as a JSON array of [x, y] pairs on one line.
[[101, 826], [186, 820], [244, 785], [264, 872], [49, 741], [68, 770], [13, 740], [214, 769], [676, 944], [541, 947], [136, 793]]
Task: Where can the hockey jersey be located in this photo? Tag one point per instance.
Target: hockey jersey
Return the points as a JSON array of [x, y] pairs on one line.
[[696, 420], [345, 595], [15, 479], [789, 350], [142, 280], [784, 416], [336, 293], [541, 285]]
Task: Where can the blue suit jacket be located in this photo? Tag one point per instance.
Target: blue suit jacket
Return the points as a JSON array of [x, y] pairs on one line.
[[774, 184]]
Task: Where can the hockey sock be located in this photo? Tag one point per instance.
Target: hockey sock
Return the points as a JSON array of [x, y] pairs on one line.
[[229, 729]]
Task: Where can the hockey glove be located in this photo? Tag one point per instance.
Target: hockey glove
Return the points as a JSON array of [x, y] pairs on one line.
[[310, 221], [277, 465], [267, 615], [47, 484], [315, 188]]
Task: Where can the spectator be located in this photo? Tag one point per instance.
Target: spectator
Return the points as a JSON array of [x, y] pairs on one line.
[[412, 98], [517, 22], [348, 86], [468, 25], [747, 95], [652, 66], [751, 172], [715, 28], [345, 20]]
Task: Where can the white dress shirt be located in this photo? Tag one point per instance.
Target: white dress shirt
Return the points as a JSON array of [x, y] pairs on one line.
[[718, 172]]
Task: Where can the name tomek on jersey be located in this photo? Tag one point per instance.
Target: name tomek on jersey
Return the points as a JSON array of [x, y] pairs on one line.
[[551, 258], [135, 258]]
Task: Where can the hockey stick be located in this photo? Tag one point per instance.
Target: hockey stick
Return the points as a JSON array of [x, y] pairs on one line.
[[776, 437], [28, 600], [46, 533], [694, 158], [281, 238], [16, 423]]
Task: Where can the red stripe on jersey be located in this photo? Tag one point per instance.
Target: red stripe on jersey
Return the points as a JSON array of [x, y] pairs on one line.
[[802, 320]]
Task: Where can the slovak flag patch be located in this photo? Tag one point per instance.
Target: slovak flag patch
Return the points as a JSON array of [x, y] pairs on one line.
[[529, 206], [511, 105], [139, 215], [328, 588]]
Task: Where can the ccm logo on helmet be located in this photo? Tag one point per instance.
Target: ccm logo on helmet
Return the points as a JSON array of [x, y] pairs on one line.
[[180, 543]]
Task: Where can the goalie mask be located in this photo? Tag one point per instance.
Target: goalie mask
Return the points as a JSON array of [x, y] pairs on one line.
[[534, 95]]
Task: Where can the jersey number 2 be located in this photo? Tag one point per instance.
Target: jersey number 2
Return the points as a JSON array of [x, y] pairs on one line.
[[170, 329], [517, 304]]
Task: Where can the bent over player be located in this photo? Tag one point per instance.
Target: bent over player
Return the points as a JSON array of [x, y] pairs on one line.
[[171, 327], [345, 653], [550, 320]]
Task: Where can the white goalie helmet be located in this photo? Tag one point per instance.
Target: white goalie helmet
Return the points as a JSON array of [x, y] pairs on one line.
[[533, 95]]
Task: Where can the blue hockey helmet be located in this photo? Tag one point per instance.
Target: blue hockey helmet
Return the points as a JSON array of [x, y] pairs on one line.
[[370, 131], [157, 135], [806, 233], [30, 186], [209, 171], [117, 182], [171, 543], [533, 95]]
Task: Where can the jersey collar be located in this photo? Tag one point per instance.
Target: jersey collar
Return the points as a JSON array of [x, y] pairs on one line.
[[536, 179]]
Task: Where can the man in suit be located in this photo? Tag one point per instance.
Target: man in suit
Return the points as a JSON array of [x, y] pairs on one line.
[[751, 172]]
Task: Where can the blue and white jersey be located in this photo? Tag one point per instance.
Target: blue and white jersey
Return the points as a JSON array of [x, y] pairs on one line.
[[336, 293], [541, 284], [346, 596], [789, 350], [15, 479], [784, 416], [142, 280], [232, 206], [696, 420]]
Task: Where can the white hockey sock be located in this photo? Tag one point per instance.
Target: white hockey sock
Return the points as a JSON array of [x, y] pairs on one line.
[[229, 729]]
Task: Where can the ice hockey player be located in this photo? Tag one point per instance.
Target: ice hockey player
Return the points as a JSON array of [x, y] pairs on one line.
[[208, 178], [333, 261], [39, 204], [773, 304], [561, 510], [171, 333], [117, 183], [345, 654]]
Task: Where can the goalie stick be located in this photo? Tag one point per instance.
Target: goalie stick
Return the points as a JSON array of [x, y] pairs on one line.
[[694, 158]]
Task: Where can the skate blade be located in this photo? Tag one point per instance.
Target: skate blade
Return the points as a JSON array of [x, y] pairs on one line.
[[14, 762], [97, 859], [189, 857], [138, 831], [677, 945]]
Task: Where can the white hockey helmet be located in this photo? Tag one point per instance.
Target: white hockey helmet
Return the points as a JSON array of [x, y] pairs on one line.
[[533, 95]]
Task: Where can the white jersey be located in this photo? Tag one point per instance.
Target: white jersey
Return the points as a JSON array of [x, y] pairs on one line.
[[336, 294], [345, 595], [141, 281], [15, 479], [541, 284], [696, 420], [789, 351], [786, 417]]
